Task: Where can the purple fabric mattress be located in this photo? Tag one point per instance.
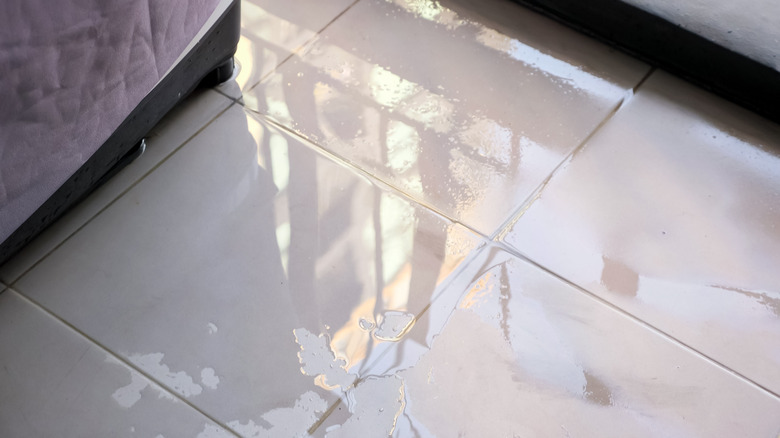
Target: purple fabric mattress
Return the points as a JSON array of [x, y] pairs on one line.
[[72, 71]]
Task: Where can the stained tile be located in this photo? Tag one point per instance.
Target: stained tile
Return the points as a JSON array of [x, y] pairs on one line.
[[672, 213], [182, 123], [56, 383], [509, 350], [271, 30], [251, 275], [468, 107]]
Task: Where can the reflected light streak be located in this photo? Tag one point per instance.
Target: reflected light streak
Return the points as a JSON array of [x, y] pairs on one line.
[[403, 146], [280, 161], [551, 65], [434, 11], [488, 138], [397, 234], [257, 131], [382, 86], [350, 342], [263, 37], [389, 89], [354, 98], [283, 241], [477, 293], [257, 22]]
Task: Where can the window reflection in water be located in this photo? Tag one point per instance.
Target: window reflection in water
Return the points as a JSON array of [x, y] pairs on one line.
[[357, 104], [408, 130], [321, 230]]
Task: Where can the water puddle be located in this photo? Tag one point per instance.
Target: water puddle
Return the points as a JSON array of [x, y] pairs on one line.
[[375, 405], [394, 325], [179, 381], [318, 361]]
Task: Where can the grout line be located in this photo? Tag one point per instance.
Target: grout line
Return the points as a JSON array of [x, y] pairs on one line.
[[503, 246], [300, 47], [234, 99], [120, 195], [374, 179], [327, 413], [644, 79], [507, 225], [445, 284], [122, 360]]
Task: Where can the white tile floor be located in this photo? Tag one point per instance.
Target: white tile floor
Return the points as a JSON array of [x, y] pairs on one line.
[[413, 218]]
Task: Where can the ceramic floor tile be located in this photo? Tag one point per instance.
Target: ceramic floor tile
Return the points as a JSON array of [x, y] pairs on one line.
[[251, 274], [56, 383], [183, 122], [672, 213], [467, 111], [509, 350], [271, 30]]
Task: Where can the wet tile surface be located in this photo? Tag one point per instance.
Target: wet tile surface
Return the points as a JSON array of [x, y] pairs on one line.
[[56, 383], [509, 350], [271, 30], [672, 212], [287, 287], [471, 135], [232, 271], [178, 126]]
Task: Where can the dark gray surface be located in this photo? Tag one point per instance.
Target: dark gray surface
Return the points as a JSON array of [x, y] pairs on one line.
[[727, 48], [749, 27]]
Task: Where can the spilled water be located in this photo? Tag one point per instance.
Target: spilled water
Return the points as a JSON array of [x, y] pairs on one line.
[[393, 325], [318, 361], [179, 382]]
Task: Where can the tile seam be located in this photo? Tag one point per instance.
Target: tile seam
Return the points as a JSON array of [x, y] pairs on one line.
[[468, 260], [119, 358], [512, 219], [355, 169], [300, 48], [119, 196], [672, 339]]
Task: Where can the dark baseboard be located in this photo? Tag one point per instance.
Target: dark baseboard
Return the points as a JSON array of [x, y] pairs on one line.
[[668, 46]]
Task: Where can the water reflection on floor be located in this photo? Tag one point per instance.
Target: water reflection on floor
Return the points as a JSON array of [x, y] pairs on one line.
[[413, 218]]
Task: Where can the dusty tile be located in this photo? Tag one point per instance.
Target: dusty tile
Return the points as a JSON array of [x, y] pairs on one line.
[[672, 213], [471, 134], [182, 123], [251, 275], [56, 383], [271, 30], [509, 350]]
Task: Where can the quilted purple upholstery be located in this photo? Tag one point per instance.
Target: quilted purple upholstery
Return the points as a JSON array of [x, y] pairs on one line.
[[70, 72]]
